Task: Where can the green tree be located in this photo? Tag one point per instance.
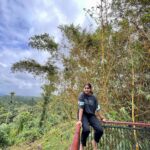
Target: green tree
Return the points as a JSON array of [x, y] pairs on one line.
[[48, 71]]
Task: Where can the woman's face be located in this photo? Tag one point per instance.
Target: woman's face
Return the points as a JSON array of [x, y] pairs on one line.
[[87, 89]]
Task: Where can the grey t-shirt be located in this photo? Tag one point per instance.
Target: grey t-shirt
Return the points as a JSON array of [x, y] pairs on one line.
[[89, 103]]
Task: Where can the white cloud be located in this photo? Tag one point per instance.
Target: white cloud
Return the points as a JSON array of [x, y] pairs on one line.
[[3, 65], [22, 19], [21, 83]]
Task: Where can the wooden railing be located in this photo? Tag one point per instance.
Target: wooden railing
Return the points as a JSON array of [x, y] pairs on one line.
[[137, 124], [76, 139], [116, 132]]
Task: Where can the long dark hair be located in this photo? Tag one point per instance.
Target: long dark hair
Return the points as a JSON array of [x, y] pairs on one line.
[[89, 85]]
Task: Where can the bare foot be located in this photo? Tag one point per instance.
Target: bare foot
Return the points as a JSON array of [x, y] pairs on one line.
[[81, 147], [39, 147], [94, 145]]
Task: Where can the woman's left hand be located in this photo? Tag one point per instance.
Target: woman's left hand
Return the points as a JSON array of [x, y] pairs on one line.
[[103, 119]]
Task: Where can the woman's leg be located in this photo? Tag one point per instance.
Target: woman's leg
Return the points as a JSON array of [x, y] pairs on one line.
[[85, 131], [98, 130]]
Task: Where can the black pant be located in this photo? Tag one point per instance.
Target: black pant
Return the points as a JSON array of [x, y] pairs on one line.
[[95, 123]]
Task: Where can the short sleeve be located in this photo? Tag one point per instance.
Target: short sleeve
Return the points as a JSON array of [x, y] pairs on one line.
[[81, 100], [97, 105]]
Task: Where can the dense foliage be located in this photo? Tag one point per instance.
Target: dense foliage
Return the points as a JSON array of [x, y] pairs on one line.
[[114, 58]]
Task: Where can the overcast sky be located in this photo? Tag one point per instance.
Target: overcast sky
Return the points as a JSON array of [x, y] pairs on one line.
[[19, 20]]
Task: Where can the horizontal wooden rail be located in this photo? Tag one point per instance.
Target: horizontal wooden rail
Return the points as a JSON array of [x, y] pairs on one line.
[[140, 124]]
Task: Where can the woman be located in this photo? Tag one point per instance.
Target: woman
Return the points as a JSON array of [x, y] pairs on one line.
[[88, 107]]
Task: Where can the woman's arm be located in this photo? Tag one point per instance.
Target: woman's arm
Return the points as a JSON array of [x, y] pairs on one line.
[[101, 117], [97, 112], [81, 107], [80, 114]]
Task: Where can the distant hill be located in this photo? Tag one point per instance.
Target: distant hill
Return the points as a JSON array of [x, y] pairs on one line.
[[1, 94], [29, 100]]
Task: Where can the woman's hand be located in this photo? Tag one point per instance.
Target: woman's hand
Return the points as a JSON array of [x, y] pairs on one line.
[[79, 122], [103, 119]]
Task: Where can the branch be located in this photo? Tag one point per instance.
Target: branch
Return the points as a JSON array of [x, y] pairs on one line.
[[33, 67], [43, 42]]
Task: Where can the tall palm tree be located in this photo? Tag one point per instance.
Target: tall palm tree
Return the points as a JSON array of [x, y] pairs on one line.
[[12, 94]]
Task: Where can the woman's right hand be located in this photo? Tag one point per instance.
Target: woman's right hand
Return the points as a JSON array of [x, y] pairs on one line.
[[79, 122]]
